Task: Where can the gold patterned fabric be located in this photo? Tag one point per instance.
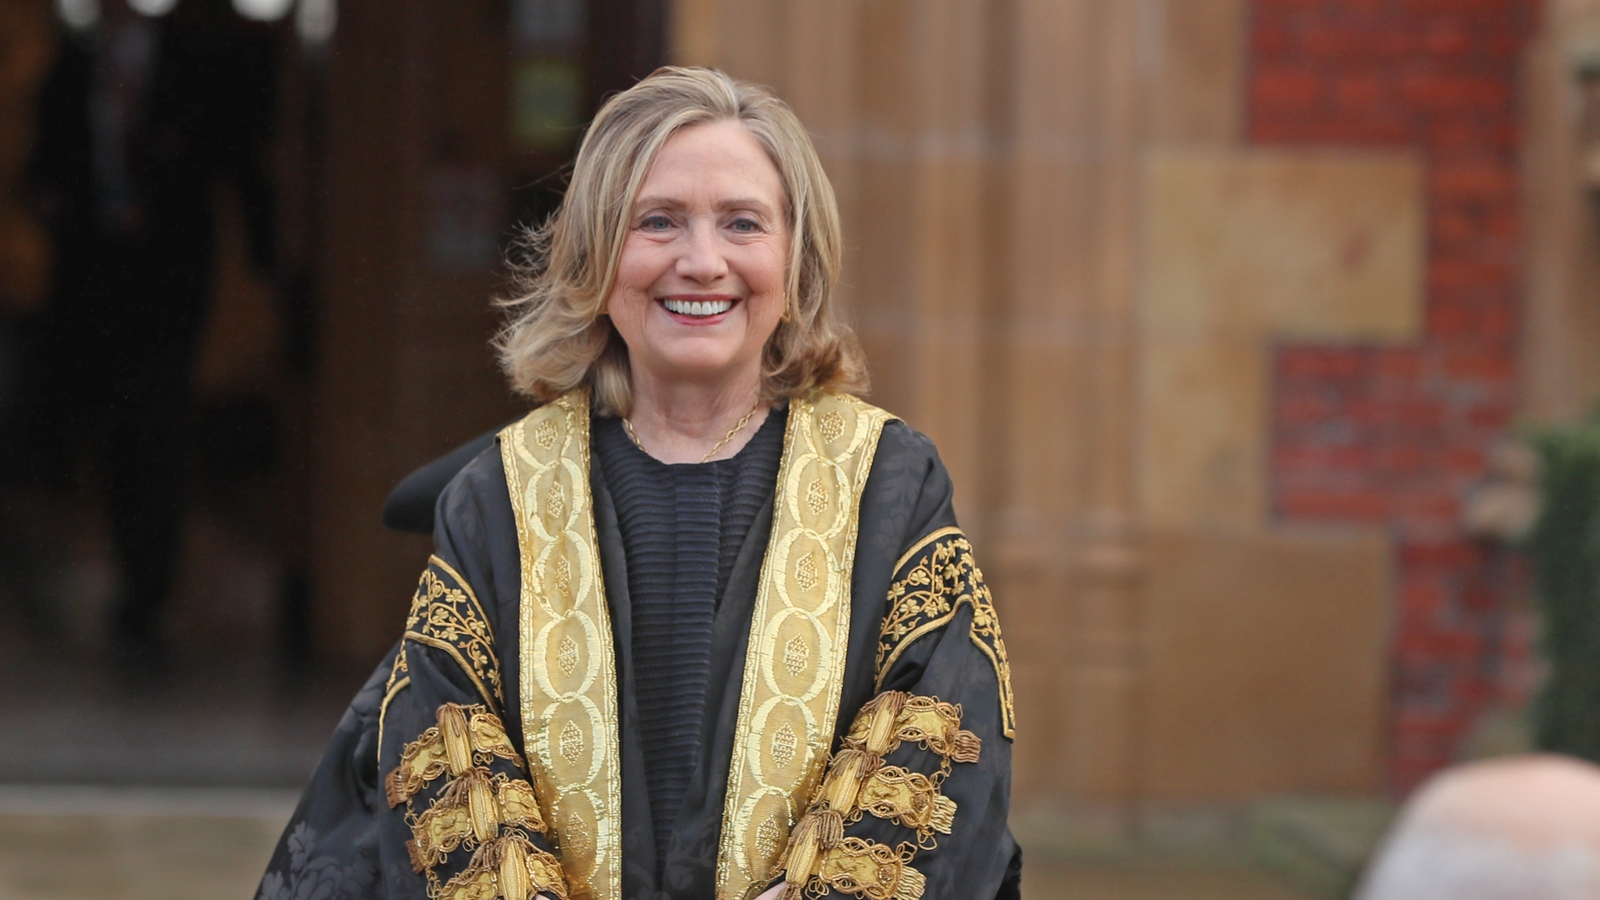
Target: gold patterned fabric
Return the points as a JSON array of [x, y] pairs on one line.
[[794, 667], [568, 676], [488, 813], [799, 632], [932, 581]]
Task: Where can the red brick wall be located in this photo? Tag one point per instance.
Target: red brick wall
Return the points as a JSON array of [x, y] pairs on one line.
[[1396, 435]]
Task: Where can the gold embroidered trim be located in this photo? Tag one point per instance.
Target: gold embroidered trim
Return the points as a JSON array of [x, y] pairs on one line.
[[445, 613], [507, 868], [799, 632], [421, 761], [894, 717], [858, 782], [926, 598], [865, 869], [907, 798], [465, 812], [568, 673], [871, 870], [465, 736], [397, 683], [520, 806], [471, 809]]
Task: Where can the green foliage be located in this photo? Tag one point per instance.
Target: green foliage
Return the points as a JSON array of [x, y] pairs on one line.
[[1564, 547]]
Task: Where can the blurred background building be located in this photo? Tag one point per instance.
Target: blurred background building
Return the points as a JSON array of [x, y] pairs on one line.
[[1225, 314]]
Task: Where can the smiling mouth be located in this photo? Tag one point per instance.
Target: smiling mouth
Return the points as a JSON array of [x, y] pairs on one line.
[[698, 308]]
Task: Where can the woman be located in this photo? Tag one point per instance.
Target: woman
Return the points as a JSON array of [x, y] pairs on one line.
[[702, 624]]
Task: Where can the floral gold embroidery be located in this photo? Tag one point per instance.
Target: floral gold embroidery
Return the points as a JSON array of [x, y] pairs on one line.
[[445, 613], [939, 576]]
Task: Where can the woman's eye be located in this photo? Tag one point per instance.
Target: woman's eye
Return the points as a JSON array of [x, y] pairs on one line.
[[655, 223], [746, 226]]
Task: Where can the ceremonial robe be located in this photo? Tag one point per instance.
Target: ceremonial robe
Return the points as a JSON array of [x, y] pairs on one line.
[[858, 717]]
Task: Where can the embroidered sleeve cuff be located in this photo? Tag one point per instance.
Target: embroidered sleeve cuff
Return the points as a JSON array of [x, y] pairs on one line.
[[820, 858], [865, 869], [489, 813]]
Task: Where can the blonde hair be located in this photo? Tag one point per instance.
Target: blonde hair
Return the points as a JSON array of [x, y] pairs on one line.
[[558, 336]]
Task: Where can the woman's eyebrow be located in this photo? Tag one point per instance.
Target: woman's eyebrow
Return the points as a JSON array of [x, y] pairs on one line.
[[643, 203], [659, 202], [745, 203]]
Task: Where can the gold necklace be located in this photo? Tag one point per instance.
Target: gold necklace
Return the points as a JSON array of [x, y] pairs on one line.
[[628, 426]]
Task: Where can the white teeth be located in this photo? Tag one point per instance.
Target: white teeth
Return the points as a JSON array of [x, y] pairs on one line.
[[698, 307]]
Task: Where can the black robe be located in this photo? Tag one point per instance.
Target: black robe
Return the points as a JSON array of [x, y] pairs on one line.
[[921, 623]]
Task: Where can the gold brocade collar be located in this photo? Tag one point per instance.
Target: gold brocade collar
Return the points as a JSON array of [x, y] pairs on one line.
[[794, 668]]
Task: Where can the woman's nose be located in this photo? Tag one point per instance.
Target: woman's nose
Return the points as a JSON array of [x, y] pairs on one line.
[[702, 259]]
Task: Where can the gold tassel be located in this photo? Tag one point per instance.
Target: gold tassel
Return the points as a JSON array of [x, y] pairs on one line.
[[943, 817], [418, 864], [457, 738], [844, 778], [912, 883], [514, 881], [484, 811], [881, 730], [803, 849], [394, 786], [965, 747], [830, 828]]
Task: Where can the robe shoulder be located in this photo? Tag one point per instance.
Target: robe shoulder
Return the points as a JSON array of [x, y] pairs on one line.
[[908, 493], [475, 534]]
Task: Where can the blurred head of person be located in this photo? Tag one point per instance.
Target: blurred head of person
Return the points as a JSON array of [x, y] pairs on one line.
[[1519, 828], [698, 241]]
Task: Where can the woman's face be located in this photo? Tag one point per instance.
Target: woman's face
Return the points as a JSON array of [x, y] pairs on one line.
[[700, 284]]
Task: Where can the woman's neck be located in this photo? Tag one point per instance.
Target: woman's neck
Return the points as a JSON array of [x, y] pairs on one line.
[[681, 422]]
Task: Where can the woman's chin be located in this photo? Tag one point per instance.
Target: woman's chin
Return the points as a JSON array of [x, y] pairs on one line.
[[701, 365]]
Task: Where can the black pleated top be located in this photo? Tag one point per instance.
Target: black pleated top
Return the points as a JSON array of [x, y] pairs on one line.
[[682, 527]]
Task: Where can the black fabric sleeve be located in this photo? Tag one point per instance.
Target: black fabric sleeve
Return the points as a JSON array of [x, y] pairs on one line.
[[332, 846], [423, 791]]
